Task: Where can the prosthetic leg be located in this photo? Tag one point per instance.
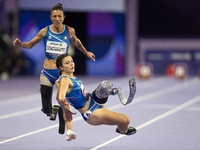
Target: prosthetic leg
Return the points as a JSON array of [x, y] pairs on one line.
[[61, 129], [101, 93], [122, 97], [54, 112], [46, 95]]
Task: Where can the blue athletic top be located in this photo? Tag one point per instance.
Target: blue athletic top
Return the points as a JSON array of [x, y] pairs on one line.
[[56, 43], [77, 97]]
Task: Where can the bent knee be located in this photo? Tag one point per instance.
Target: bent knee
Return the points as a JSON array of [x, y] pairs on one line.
[[127, 120]]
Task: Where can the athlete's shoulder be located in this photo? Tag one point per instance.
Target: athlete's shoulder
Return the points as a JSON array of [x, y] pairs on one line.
[[76, 78], [71, 30], [63, 79], [43, 31], [63, 76], [67, 77]]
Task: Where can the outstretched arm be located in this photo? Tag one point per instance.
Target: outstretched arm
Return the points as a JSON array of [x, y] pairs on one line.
[[78, 44], [61, 92], [33, 42], [67, 117]]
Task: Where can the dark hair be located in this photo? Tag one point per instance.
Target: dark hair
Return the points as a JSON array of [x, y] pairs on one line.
[[59, 60], [57, 7]]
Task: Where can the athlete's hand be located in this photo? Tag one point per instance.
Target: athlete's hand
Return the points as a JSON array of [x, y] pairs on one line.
[[17, 42], [68, 115], [91, 55], [62, 102]]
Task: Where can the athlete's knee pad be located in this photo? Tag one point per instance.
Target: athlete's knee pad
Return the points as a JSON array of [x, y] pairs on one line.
[[46, 95], [101, 93]]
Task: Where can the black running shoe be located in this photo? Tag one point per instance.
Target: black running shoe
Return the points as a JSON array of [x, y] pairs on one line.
[[131, 130]]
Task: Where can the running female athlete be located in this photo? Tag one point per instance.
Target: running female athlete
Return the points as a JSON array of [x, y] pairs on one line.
[[72, 92], [57, 37]]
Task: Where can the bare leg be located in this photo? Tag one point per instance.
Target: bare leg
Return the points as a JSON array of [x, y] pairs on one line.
[[107, 117], [70, 134]]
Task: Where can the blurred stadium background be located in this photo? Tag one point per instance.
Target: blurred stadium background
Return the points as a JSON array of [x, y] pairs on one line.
[[121, 33]]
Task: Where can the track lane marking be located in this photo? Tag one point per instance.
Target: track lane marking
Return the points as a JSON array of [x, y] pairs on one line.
[[38, 95], [170, 112], [139, 99], [37, 131], [136, 100]]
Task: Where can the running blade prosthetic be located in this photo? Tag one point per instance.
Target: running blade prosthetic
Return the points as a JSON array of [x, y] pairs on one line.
[[122, 97]]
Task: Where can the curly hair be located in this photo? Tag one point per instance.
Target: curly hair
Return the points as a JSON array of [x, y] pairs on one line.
[[57, 7]]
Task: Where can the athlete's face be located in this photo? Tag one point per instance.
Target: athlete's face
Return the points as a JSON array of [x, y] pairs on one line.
[[68, 65], [57, 18]]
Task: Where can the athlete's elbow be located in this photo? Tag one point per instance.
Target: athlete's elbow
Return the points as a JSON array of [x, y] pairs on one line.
[[26, 45], [30, 46]]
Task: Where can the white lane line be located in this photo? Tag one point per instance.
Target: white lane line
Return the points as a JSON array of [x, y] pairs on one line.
[[20, 113], [89, 86], [19, 99], [24, 112], [31, 97], [136, 100], [170, 112], [158, 93], [142, 98], [37, 131], [30, 133]]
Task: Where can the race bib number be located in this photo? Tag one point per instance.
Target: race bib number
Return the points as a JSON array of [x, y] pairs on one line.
[[56, 47], [87, 114]]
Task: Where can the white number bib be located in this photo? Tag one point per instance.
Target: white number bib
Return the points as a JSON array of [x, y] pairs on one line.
[[56, 47], [87, 114]]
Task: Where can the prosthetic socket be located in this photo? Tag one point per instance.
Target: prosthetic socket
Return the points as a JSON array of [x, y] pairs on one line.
[[46, 95], [101, 93]]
